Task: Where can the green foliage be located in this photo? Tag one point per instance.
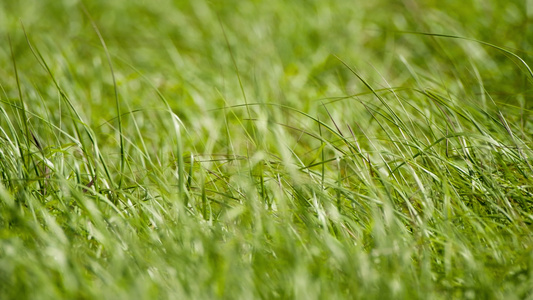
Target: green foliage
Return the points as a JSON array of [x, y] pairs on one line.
[[266, 149]]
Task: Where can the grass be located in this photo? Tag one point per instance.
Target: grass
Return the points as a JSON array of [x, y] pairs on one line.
[[242, 150]]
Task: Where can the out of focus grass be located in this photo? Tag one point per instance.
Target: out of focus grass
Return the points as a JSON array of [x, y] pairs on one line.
[[266, 149]]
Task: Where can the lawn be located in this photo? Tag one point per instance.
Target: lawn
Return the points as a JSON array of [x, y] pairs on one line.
[[266, 149]]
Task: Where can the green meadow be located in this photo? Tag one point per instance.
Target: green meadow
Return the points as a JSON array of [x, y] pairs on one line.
[[266, 149]]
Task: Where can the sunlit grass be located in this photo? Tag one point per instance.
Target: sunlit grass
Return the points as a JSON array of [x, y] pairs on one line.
[[309, 150]]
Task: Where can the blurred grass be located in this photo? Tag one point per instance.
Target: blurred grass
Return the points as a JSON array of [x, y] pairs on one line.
[[304, 149]]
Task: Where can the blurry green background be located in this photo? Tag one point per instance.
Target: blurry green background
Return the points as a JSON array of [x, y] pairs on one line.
[[280, 47]]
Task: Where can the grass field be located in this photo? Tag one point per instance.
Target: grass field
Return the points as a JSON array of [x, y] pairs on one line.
[[266, 149]]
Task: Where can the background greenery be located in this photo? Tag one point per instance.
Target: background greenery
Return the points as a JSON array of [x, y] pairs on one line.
[[266, 149]]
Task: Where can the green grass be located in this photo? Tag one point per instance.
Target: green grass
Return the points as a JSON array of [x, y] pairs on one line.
[[266, 149]]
